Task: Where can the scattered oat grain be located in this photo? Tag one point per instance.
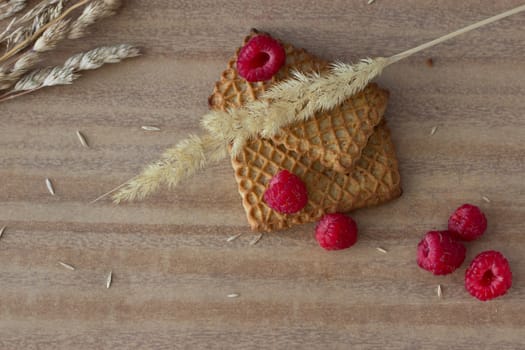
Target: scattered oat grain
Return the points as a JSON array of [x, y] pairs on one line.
[[370, 1], [233, 295], [433, 131], [50, 187], [234, 237], [2, 231], [439, 291], [382, 250], [82, 139], [256, 239], [67, 266], [150, 128], [486, 199], [109, 279]]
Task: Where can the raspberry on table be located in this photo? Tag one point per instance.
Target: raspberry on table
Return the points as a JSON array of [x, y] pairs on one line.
[[260, 59], [467, 223], [286, 193], [488, 276], [336, 231], [440, 253]]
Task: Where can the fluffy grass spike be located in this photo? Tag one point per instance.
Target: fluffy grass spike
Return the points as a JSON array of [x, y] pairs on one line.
[[289, 101], [177, 163]]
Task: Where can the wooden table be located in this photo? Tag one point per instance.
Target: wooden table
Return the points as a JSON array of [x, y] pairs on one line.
[[172, 266]]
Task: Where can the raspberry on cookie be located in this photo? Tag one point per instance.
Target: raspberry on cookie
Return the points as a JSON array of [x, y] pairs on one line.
[[260, 58], [286, 193]]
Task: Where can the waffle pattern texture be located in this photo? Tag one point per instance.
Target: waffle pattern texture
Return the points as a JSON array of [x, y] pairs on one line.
[[345, 156]]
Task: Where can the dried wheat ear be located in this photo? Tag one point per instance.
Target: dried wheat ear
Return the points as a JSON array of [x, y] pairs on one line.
[[41, 29]]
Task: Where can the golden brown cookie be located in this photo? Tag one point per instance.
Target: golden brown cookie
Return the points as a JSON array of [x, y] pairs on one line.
[[345, 158], [374, 180], [336, 137]]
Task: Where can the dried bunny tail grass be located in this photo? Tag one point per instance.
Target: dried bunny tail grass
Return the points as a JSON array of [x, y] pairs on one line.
[[66, 74], [93, 12], [11, 7], [177, 163]]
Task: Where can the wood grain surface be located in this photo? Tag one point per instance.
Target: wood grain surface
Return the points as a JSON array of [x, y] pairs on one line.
[[172, 266]]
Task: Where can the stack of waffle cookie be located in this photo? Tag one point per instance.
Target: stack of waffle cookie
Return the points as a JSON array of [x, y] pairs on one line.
[[344, 156]]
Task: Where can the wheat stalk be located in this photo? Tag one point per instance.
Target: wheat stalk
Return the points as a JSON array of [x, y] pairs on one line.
[[21, 66], [52, 36], [44, 9], [7, 30], [13, 51], [96, 58], [35, 11], [26, 61], [43, 77], [55, 32], [43, 16], [48, 41], [92, 13], [67, 73], [11, 7], [292, 100]]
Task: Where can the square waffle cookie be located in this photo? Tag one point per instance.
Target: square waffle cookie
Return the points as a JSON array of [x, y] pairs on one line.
[[374, 180], [336, 138], [345, 158]]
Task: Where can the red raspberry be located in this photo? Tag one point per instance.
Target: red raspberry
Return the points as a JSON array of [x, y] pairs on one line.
[[467, 222], [439, 253], [336, 231], [286, 193], [488, 276], [260, 58]]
